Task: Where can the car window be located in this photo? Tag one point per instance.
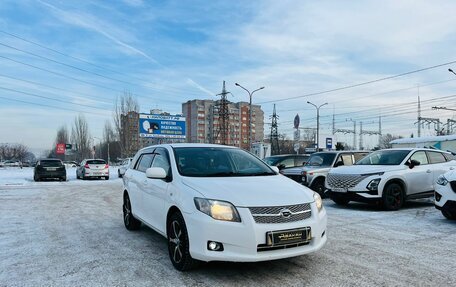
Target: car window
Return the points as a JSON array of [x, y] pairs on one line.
[[384, 157], [50, 163], [448, 156], [420, 156], [287, 162], [96, 161], [161, 160], [321, 159], [300, 160], [436, 157], [144, 162], [359, 155], [347, 159], [218, 162]]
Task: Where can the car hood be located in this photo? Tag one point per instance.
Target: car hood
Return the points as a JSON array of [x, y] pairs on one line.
[[366, 169], [250, 191], [315, 169]]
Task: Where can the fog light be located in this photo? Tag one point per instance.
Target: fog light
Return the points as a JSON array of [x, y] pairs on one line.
[[214, 246]]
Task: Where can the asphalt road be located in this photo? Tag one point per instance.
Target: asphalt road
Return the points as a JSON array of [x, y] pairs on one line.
[[58, 234]]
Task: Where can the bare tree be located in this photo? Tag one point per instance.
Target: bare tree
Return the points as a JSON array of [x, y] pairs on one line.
[[385, 141], [62, 135], [81, 137], [108, 138], [124, 104], [13, 151]]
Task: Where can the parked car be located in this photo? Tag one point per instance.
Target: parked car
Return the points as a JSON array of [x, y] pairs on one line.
[[313, 173], [287, 160], [124, 166], [49, 168], [69, 164], [93, 168], [445, 194], [389, 177], [220, 203], [11, 163]]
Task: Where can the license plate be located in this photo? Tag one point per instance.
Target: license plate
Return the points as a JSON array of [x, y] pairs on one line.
[[339, 189], [291, 236], [51, 168]]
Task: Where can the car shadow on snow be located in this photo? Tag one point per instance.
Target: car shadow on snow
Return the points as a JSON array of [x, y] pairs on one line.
[[410, 204]]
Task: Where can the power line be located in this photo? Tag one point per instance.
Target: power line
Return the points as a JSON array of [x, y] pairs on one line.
[[360, 84]]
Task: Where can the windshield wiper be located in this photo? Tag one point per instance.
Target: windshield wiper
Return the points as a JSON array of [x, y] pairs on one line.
[[222, 173], [261, 173]]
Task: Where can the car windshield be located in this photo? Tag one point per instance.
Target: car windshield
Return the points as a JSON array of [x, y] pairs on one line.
[[50, 163], [96, 161], [384, 157], [219, 162], [321, 159]]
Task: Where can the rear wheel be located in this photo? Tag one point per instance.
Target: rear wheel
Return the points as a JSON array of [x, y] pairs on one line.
[[131, 223], [36, 178], [63, 178], [393, 196], [178, 243], [107, 177]]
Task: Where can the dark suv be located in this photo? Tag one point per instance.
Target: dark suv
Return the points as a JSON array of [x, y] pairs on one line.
[[49, 168], [287, 160]]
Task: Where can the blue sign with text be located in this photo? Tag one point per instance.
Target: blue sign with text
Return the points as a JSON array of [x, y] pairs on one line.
[[159, 126]]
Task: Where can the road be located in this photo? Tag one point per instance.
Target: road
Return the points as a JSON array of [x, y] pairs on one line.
[[70, 234]]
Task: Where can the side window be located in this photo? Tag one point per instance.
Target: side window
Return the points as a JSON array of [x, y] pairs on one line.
[[347, 159], [448, 156], [339, 161], [288, 162], [436, 157], [300, 160], [359, 155], [161, 160], [420, 156], [144, 162]]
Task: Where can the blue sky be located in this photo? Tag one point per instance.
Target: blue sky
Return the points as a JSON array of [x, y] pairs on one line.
[[168, 52]]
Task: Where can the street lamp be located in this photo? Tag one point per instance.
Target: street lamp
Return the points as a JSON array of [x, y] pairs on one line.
[[250, 111], [451, 71], [318, 121]]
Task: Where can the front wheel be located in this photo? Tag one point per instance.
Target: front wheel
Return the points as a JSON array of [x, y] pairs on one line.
[[319, 187], [178, 243], [449, 215], [393, 197], [131, 223]]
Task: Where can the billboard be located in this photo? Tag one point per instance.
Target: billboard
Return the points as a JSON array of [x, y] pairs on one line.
[[159, 126], [60, 148]]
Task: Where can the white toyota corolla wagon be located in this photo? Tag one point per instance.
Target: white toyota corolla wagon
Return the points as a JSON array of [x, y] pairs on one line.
[[220, 203]]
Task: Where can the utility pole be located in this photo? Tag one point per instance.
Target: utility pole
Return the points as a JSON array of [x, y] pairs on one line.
[[223, 117], [275, 148], [419, 113], [364, 132], [346, 131]]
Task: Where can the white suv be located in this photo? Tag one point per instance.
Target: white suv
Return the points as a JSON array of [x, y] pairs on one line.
[[389, 177], [445, 194], [220, 203]]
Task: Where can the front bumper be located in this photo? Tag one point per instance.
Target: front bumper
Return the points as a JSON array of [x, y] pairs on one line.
[[241, 240], [445, 198], [50, 174], [359, 196]]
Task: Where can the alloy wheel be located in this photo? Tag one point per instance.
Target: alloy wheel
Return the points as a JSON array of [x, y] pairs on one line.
[[175, 240]]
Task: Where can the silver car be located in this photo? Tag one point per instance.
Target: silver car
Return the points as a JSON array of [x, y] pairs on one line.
[[93, 168], [124, 166]]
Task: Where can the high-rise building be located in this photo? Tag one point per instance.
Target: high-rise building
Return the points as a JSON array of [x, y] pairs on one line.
[[203, 123]]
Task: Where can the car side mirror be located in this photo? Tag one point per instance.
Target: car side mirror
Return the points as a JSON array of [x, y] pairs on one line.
[[122, 171], [413, 163], [281, 166], [156, 172], [275, 169]]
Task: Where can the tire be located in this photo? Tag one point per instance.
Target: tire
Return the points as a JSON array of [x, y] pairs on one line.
[[341, 201], [178, 243], [118, 173], [107, 177], [63, 178], [448, 214], [393, 197], [319, 187], [36, 178], [131, 223]]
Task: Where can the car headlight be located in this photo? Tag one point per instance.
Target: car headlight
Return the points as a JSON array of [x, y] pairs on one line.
[[373, 184], [318, 201], [217, 209], [441, 180]]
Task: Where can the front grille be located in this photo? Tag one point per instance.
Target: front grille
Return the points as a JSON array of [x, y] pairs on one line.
[[272, 214], [453, 185], [344, 180]]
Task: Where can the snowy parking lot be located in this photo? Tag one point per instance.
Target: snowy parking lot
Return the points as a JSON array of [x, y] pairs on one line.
[[72, 234]]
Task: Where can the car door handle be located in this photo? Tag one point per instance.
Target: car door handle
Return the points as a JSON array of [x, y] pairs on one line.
[[145, 182], [451, 168], [428, 171]]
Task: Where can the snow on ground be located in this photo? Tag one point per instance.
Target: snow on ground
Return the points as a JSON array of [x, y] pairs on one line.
[[72, 234], [15, 176]]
